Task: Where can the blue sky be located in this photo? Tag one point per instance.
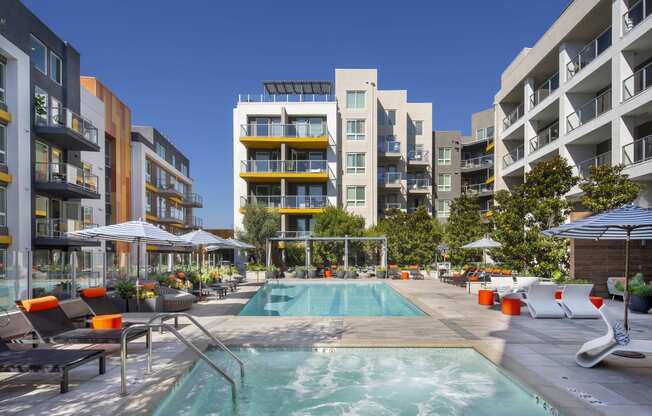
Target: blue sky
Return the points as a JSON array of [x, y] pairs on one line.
[[180, 65]]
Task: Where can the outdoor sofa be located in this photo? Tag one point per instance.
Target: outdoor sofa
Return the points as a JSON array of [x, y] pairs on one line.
[[175, 300]]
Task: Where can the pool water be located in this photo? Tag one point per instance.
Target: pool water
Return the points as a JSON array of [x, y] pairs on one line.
[[354, 381], [329, 299]]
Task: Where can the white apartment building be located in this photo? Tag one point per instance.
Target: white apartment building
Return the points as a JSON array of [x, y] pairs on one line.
[[302, 146], [582, 92]]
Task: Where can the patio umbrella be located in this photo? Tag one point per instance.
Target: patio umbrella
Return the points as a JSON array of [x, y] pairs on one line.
[[629, 222], [484, 244], [137, 232], [202, 239]]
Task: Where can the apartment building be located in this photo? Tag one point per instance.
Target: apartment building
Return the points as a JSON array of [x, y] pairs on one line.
[[302, 146]]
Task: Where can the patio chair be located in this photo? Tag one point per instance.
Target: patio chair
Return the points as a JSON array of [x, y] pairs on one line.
[[523, 283], [541, 302], [613, 290], [576, 303], [502, 285], [52, 325], [48, 360], [615, 340]]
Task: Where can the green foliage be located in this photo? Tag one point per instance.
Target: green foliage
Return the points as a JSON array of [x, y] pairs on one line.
[[637, 286], [294, 254], [336, 222], [412, 237], [607, 188], [464, 226], [520, 217], [126, 289], [259, 224]]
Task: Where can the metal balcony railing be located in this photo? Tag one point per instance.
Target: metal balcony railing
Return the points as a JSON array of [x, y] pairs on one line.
[[284, 130], [544, 137], [638, 12], [65, 173], [513, 156], [638, 82], [419, 183], [293, 234], [392, 205], [164, 186], [390, 178], [485, 161], [194, 222], [478, 188], [640, 150], [193, 198], [284, 98], [589, 110], [545, 90], [287, 201], [393, 146], [513, 117], [584, 167], [286, 166], [418, 156], [170, 214], [58, 227], [588, 53], [64, 117]]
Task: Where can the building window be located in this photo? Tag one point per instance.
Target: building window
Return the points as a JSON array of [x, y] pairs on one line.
[[38, 53], [2, 82], [3, 265], [444, 182], [355, 99], [355, 196], [3, 144], [3, 206], [56, 68], [443, 208], [184, 169], [87, 216], [480, 134], [418, 127], [148, 201], [490, 132], [355, 163], [148, 171], [160, 150], [391, 117], [174, 160], [444, 156], [355, 130]]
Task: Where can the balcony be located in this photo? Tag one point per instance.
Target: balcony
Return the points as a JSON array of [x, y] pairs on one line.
[[66, 129], [298, 136], [513, 156], [419, 185], [194, 223], [293, 234], [640, 150], [638, 82], [392, 205], [288, 204], [589, 110], [275, 170], [513, 117], [170, 216], [419, 157], [65, 180], [480, 162], [636, 14], [389, 148], [192, 200], [390, 179], [544, 138], [169, 190], [478, 189], [584, 167], [51, 232], [588, 53], [545, 90]]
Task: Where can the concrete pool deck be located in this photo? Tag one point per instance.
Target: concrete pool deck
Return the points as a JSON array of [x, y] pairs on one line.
[[538, 353]]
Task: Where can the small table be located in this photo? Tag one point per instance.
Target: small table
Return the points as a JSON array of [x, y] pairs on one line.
[[597, 301], [405, 275], [510, 305], [485, 297]]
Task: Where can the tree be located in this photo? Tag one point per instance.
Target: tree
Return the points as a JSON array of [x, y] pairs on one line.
[[336, 222], [607, 188], [464, 226], [412, 237], [259, 224]]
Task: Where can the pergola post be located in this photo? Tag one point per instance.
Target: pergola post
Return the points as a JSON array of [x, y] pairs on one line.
[[346, 252], [383, 255], [268, 256], [308, 254]]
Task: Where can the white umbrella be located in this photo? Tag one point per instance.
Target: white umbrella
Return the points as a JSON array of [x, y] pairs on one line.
[[484, 244], [240, 244], [199, 239]]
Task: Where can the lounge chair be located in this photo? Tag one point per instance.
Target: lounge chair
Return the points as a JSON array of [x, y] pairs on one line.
[[613, 290], [175, 300], [48, 360], [100, 304], [523, 283], [503, 285], [576, 303], [52, 325], [596, 350], [541, 302]]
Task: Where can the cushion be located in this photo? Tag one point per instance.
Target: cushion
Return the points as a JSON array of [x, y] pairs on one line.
[[107, 322], [149, 286], [94, 292], [620, 334], [40, 304]]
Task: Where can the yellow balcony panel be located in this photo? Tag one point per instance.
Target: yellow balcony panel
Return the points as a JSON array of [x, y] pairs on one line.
[[301, 211], [175, 199], [291, 176], [5, 116], [490, 180], [151, 248], [5, 178], [150, 217], [490, 147], [256, 142], [40, 213], [5, 240], [150, 187]]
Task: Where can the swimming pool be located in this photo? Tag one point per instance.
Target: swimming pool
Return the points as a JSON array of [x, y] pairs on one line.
[[329, 299], [354, 381]]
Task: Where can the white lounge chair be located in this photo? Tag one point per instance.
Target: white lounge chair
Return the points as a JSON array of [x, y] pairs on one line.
[[523, 283], [594, 351], [503, 285], [541, 302], [576, 303]]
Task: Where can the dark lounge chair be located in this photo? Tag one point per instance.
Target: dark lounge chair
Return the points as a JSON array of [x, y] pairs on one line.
[[48, 360], [52, 325]]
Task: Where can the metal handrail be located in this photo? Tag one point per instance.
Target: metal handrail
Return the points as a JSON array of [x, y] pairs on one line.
[[589, 110], [184, 340], [286, 201], [544, 137], [64, 117], [418, 156], [640, 150], [287, 166], [546, 89], [588, 53], [478, 188], [513, 156], [477, 162], [513, 117], [584, 167], [638, 82], [284, 98], [418, 183], [59, 227], [392, 205], [635, 15], [284, 130], [63, 172], [391, 178]]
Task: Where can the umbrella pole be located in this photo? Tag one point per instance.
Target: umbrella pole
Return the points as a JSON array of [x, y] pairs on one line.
[[138, 273], [627, 279]]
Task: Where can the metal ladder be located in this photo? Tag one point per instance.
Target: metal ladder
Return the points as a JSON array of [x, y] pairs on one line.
[[161, 325]]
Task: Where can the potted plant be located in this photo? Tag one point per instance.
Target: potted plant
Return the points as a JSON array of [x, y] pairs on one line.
[[312, 272], [351, 273], [640, 294], [290, 274], [126, 291], [300, 272], [381, 272], [341, 273], [271, 272], [149, 301]]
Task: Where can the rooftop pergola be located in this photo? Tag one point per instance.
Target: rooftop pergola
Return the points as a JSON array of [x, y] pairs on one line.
[[308, 246]]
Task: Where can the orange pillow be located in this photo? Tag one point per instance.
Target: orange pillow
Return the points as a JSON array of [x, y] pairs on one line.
[[107, 322], [40, 304], [94, 292], [149, 286]]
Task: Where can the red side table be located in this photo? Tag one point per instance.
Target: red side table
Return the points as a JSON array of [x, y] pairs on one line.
[[510, 306], [597, 301], [486, 297], [557, 294]]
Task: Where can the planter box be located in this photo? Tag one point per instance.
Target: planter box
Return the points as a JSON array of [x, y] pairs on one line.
[[640, 304], [253, 276], [341, 274], [290, 275], [381, 275], [300, 274], [312, 274], [351, 275]]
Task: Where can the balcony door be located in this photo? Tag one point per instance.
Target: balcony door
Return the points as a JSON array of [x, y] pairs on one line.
[[42, 158], [308, 126], [267, 126]]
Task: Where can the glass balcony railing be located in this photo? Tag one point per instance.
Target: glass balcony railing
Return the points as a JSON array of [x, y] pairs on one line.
[[513, 156], [392, 205], [58, 227], [169, 187], [193, 198], [284, 130], [393, 146], [640, 150], [294, 234], [287, 166], [513, 117], [589, 110], [638, 12], [390, 178], [588, 53], [63, 117], [638, 82], [584, 167], [419, 155], [418, 183], [479, 162], [170, 215], [545, 90], [544, 137], [287, 201], [67, 174], [194, 222], [478, 188]]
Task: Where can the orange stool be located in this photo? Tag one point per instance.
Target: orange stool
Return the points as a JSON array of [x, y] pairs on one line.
[[486, 297], [510, 306], [405, 275], [107, 322], [328, 273], [557, 294], [597, 301]]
